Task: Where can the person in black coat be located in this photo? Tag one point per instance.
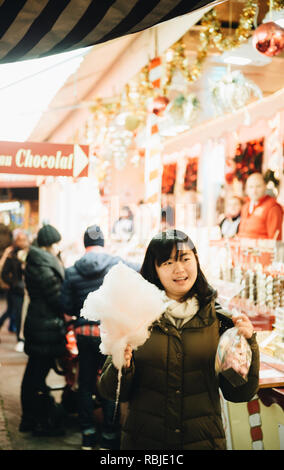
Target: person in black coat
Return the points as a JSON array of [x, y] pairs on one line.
[[44, 330], [85, 276]]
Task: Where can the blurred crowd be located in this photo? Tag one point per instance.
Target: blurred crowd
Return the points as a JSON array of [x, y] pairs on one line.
[[43, 303]]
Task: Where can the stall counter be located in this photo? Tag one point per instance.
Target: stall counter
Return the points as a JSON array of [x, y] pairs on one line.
[[259, 424]]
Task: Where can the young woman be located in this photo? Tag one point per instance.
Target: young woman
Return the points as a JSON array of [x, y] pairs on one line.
[[44, 331], [170, 381]]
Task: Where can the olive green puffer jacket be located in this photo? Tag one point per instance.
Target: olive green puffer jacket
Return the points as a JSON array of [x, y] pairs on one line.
[[172, 388]]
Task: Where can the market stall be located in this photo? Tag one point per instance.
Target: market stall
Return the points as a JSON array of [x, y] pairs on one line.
[[255, 269], [259, 424], [164, 147]]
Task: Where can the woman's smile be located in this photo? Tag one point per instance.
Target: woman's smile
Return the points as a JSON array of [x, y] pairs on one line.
[[181, 280]]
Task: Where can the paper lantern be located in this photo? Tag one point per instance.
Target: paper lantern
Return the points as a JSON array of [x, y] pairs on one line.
[[268, 39]]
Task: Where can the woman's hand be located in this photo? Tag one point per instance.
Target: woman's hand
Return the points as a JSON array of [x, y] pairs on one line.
[[127, 356], [244, 325]]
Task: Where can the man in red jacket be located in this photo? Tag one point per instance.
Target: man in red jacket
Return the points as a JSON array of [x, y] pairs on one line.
[[261, 216]]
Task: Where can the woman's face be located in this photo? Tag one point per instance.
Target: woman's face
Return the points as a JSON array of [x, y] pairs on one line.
[[178, 275]]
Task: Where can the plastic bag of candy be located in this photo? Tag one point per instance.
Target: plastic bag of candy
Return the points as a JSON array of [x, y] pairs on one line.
[[233, 357]]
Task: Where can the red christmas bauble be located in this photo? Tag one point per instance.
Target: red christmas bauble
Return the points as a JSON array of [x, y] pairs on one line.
[[229, 177], [268, 39], [159, 105]]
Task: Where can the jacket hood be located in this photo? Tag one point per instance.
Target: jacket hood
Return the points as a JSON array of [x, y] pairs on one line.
[[93, 264]]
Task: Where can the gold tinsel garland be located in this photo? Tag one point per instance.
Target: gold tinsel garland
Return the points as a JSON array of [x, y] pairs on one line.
[[211, 35], [242, 33], [276, 4]]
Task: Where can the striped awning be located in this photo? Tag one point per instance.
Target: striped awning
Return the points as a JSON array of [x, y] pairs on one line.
[[32, 29]]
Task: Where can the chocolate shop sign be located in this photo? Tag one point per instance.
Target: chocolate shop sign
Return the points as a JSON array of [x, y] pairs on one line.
[[46, 159]]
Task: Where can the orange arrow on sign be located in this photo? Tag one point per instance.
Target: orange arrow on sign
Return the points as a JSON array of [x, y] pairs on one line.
[[81, 160]]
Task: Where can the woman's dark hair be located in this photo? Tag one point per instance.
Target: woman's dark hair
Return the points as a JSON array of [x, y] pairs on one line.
[[159, 250]]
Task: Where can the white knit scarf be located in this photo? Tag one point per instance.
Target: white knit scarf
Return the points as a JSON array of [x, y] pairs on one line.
[[180, 312]]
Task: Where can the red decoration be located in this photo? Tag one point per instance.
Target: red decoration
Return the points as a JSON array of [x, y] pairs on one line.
[[169, 178], [268, 39], [159, 105], [190, 178], [229, 177], [247, 159]]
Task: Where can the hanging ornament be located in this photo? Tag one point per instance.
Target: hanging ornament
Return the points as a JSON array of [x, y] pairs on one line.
[[184, 108], [268, 39], [232, 92], [159, 105], [180, 114], [132, 122], [117, 142], [191, 108], [175, 109]]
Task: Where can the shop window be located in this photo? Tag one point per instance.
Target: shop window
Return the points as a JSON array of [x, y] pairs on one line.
[[247, 160], [190, 177], [169, 178]]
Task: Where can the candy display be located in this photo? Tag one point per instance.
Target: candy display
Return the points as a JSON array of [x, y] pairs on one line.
[[233, 357], [273, 344], [260, 269], [257, 266]]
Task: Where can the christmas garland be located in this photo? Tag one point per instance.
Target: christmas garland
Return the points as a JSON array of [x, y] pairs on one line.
[[276, 4], [134, 95], [242, 33], [211, 35]]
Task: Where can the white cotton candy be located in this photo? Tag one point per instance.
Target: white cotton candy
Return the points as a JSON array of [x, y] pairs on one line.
[[126, 305]]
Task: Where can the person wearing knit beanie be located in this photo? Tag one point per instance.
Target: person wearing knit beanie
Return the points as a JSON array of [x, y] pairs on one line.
[[93, 236], [48, 235], [44, 332], [85, 276]]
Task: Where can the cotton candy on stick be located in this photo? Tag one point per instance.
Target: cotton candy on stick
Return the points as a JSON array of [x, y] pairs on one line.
[[126, 305]]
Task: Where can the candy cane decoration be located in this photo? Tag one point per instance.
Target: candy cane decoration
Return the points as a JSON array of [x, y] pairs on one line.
[[153, 161], [153, 150], [255, 423], [155, 72], [274, 149]]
